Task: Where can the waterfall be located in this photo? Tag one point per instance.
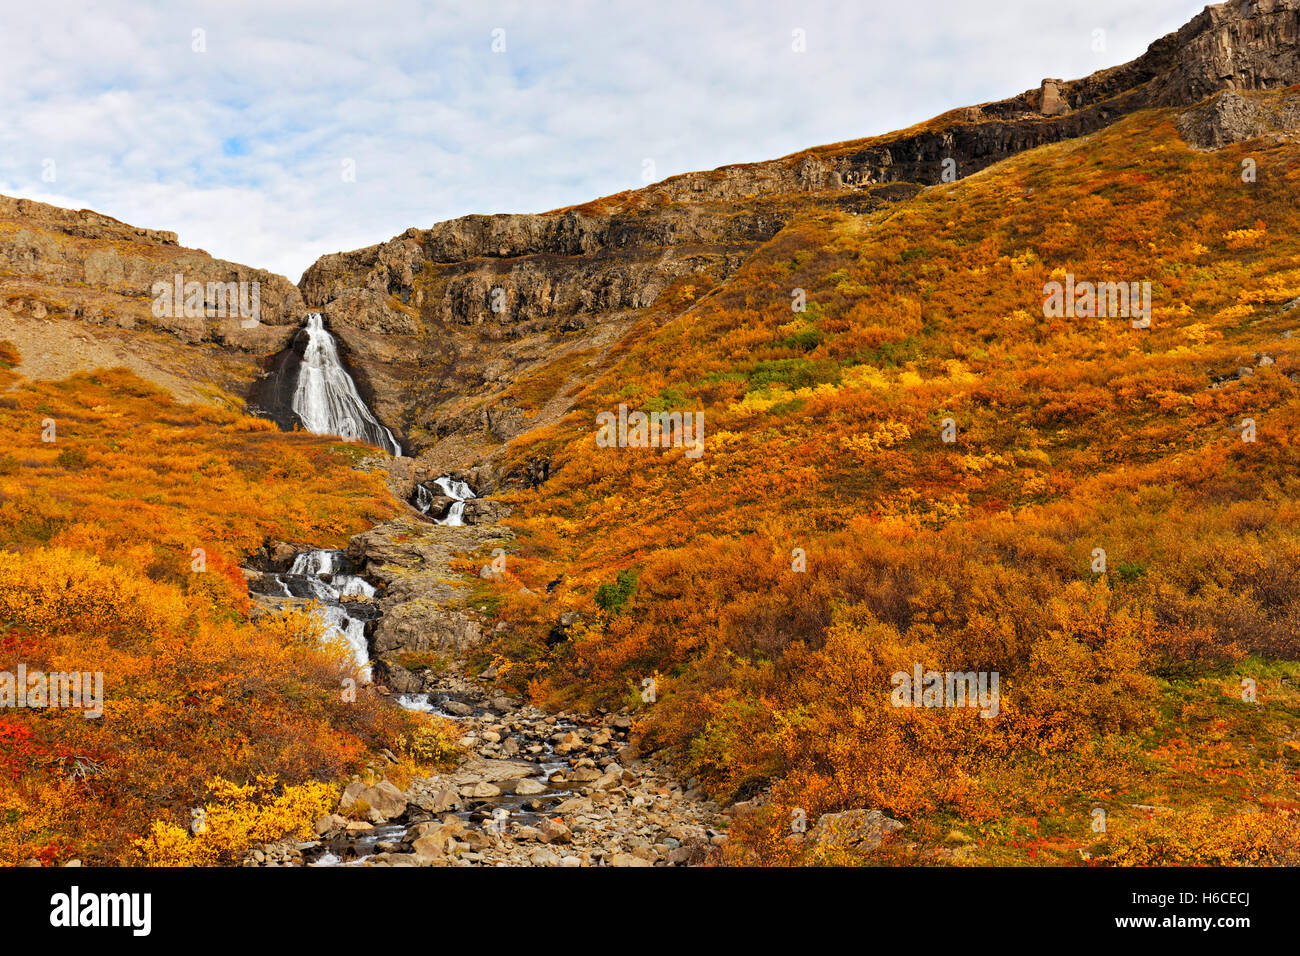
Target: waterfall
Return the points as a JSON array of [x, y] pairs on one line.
[[324, 576], [461, 493], [458, 491], [326, 399]]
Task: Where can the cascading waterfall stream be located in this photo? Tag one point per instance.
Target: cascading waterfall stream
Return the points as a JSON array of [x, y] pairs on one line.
[[458, 491], [325, 577], [325, 397]]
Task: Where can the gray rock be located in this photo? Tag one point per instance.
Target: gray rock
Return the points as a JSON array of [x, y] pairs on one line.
[[852, 831]]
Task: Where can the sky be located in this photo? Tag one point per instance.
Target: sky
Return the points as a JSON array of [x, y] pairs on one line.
[[271, 133]]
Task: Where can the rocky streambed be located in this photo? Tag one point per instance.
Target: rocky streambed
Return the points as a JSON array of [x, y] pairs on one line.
[[533, 789], [536, 789]]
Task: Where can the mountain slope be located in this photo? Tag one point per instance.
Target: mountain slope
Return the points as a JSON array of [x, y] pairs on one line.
[[475, 326], [908, 460], [1169, 448], [76, 294]]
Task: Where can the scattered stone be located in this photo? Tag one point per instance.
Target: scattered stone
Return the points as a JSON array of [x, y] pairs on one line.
[[491, 811]]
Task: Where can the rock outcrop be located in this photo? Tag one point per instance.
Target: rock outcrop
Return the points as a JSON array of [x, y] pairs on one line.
[[63, 270], [449, 322], [422, 604], [1232, 118]]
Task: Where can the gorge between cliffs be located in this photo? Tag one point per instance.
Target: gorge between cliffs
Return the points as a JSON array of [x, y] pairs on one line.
[[563, 789]]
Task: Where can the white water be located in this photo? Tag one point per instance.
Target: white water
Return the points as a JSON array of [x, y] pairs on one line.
[[326, 399], [318, 575], [462, 493], [458, 491], [353, 632], [419, 703], [314, 562]]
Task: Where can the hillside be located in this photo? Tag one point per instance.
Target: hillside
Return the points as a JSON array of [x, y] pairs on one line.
[[78, 294], [469, 329], [123, 540], [1169, 447]]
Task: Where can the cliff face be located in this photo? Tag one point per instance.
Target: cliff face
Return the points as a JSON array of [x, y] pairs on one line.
[[58, 265], [445, 323], [482, 327], [442, 322]]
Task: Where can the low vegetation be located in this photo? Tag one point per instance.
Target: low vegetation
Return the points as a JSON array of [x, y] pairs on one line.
[[125, 517], [1110, 529]]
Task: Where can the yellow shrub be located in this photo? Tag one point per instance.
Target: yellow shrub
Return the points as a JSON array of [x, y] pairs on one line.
[[433, 744], [1203, 837], [237, 818]]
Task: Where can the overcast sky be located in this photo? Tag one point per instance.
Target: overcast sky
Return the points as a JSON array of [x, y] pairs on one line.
[[237, 124]]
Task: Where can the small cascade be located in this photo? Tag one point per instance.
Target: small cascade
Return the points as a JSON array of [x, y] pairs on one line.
[[456, 490], [326, 577], [325, 399]]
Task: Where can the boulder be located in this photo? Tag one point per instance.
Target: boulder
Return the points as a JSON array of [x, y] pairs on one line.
[[553, 831], [384, 799], [529, 787], [438, 800], [852, 832], [485, 511]]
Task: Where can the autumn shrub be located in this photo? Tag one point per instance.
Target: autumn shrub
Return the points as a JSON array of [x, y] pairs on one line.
[[236, 817], [1203, 836], [432, 744], [129, 567], [945, 474]]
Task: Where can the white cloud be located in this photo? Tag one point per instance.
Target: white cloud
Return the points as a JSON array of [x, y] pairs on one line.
[[239, 148]]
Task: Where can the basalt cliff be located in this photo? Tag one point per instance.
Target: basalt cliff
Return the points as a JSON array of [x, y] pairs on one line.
[[470, 332], [453, 324]]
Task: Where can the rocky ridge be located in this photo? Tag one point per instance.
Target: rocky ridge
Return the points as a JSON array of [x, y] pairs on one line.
[[447, 323], [76, 293]]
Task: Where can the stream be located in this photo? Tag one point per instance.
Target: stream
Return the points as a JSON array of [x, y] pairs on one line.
[[512, 746], [344, 597]]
